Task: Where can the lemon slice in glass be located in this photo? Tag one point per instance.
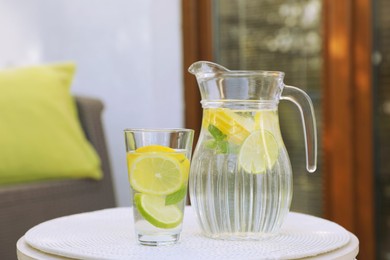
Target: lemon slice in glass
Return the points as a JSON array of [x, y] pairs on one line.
[[157, 173], [153, 149], [153, 209], [259, 152]]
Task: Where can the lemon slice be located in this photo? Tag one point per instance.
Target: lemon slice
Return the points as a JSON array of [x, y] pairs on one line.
[[151, 149], [258, 152], [157, 173], [234, 126], [156, 149], [163, 149], [153, 209]]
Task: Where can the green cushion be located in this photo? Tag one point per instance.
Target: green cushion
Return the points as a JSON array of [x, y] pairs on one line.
[[40, 134]]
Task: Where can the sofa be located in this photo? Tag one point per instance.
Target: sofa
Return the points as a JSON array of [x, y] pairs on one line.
[[23, 206]]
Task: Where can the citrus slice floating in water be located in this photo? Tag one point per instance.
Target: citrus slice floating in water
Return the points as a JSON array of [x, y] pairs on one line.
[[267, 120], [153, 209], [234, 126], [157, 173], [177, 196], [158, 149], [258, 152], [155, 148]]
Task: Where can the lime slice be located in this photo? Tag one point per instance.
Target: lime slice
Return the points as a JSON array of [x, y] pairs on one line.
[[177, 196], [258, 152], [266, 119], [153, 209], [157, 173]]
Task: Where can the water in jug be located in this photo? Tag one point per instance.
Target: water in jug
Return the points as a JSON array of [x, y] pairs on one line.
[[241, 179]]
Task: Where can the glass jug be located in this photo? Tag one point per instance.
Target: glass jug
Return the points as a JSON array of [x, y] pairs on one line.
[[241, 180]]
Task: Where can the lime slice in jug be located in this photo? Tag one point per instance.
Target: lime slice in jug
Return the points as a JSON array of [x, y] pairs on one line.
[[157, 174], [153, 209], [267, 120], [259, 151]]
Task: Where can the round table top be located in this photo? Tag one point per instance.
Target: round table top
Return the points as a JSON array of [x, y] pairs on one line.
[[109, 234]]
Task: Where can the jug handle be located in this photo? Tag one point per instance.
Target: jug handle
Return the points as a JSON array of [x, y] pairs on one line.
[[305, 105]]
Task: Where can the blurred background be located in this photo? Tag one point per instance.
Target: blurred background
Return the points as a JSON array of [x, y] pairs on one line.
[[128, 54], [133, 55]]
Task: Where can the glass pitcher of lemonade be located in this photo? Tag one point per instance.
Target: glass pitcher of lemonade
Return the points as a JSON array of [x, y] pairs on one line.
[[241, 179]]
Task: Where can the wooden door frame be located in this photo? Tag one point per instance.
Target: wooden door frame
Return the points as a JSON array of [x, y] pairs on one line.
[[347, 87], [197, 45], [348, 120]]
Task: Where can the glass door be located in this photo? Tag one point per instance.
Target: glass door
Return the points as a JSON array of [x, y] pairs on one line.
[[381, 59], [284, 36], [325, 48]]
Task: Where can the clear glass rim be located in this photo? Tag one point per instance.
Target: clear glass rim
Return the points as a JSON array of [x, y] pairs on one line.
[[207, 70], [244, 104], [158, 130], [241, 73]]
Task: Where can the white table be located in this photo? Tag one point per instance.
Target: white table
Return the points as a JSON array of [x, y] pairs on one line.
[[108, 234]]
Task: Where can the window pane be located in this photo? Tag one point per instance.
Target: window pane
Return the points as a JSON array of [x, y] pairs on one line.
[[284, 36], [382, 125]]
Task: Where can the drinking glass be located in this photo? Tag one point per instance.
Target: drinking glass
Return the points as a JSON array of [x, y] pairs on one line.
[[158, 162]]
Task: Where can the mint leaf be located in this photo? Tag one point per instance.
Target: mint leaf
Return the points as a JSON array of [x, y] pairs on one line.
[[222, 147], [216, 133], [219, 144], [211, 144]]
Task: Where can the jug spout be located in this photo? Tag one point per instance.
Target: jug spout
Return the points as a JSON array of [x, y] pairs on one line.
[[206, 68], [217, 83]]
